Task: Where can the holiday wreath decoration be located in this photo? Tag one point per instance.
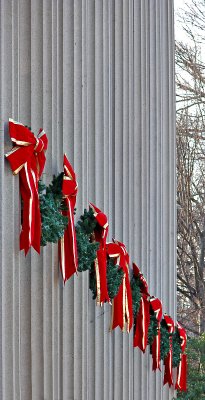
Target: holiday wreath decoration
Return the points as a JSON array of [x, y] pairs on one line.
[[48, 217]]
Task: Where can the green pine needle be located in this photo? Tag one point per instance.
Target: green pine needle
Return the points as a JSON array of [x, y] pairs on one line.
[[115, 276], [86, 249], [176, 346], [52, 220], [164, 341], [136, 295], [153, 329]]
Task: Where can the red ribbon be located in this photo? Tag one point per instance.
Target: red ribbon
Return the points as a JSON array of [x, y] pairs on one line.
[[68, 243], [143, 316], [100, 235], [28, 159], [168, 378], [122, 303], [142, 324], [181, 383], [156, 306]]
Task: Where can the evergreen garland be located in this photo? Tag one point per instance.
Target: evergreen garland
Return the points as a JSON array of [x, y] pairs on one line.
[[176, 347], [136, 294], [51, 207], [164, 340], [54, 224], [86, 248], [115, 276], [87, 222], [153, 328]]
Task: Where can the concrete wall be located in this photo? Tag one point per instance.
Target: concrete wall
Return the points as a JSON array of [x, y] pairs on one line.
[[99, 77]]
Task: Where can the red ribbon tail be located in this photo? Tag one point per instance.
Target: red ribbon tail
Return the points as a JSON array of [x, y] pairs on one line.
[[31, 226], [156, 351], [142, 325], [101, 277], [68, 247], [181, 383], [168, 369]]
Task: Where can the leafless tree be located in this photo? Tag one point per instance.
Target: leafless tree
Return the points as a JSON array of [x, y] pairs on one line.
[[190, 83]]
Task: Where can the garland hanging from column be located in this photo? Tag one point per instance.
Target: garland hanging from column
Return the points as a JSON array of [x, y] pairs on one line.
[[48, 216]]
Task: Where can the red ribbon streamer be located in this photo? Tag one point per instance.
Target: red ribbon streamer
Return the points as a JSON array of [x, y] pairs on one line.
[[143, 316], [122, 303], [28, 159], [156, 306], [181, 383], [68, 243], [168, 378], [142, 324], [100, 234]]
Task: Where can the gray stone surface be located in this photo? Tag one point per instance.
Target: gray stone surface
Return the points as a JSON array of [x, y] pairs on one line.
[[99, 77]]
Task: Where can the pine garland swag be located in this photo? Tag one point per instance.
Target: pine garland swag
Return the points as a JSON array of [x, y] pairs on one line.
[[136, 294], [114, 275], [164, 340], [153, 329], [176, 346], [87, 222], [53, 223], [87, 249]]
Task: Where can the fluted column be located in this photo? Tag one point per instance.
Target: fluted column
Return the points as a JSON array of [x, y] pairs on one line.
[[98, 76]]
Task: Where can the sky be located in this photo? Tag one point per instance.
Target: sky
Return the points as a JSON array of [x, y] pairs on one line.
[[178, 5]]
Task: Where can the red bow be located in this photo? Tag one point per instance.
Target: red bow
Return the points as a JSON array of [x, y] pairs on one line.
[[156, 306], [122, 303], [68, 243], [182, 368], [100, 234], [168, 378], [143, 316], [28, 158]]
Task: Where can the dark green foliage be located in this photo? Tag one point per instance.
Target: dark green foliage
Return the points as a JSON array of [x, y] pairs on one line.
[[92, 282], [176, 342], [55, 186], [53, 222], [115, 276], [136, 294], [196, 370], [114, 279], [164, 340], [86, 249], [153, 328], [87, 222]]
